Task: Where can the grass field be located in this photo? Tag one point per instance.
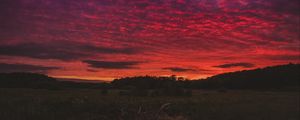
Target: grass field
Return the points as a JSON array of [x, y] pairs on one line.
[[34, 104]]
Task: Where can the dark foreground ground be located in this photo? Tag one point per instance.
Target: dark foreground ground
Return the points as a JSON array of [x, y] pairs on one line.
[[34, 104]]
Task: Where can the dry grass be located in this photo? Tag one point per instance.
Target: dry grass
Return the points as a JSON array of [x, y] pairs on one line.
[[29, 104]]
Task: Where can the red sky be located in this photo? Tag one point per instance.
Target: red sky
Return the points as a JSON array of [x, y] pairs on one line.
[[106, 39]]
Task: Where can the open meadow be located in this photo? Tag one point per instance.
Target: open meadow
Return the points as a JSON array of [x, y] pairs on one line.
[[85, 104]]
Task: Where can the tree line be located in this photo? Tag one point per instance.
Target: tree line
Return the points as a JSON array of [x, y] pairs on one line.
[[275, 77]]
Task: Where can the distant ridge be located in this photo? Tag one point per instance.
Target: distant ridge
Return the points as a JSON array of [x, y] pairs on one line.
[[19, 79], [280, 76], [40, 81], [81, 80]]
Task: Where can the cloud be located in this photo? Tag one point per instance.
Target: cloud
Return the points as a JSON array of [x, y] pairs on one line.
[[231, 65], [60, 50], [111, 64], [109, 50], [179, 69], [92, 70], [39, 51], [167, 32], [4, 67]]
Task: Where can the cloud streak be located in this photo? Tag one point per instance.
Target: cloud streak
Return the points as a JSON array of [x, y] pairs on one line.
[[8, 68], [112, 64], [61, 51], [231, 65], [179, 69]]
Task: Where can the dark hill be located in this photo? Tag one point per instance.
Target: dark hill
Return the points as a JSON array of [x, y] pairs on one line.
[[80, 80], [20, 80], [275, 77], [35, 80]]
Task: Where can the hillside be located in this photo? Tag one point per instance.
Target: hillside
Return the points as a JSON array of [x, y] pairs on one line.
[[35, 80], [80, 80], [275, 77], [21, 80]]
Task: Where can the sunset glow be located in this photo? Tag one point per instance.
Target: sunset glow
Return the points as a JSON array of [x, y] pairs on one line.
[[107, 39]]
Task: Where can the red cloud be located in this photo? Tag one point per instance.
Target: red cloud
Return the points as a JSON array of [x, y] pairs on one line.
[[197, 33]]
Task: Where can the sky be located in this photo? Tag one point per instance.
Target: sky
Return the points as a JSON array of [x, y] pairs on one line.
[[107, 39]]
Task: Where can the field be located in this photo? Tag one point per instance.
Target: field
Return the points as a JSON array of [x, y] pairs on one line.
[[38, 104]]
